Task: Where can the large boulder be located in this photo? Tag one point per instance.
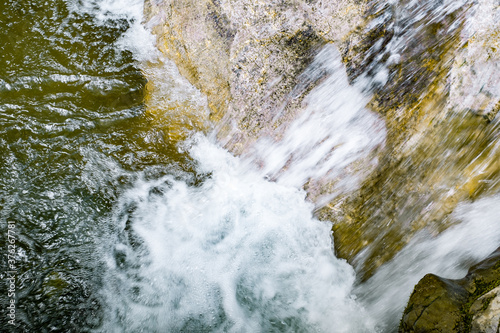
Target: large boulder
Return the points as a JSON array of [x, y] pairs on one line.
[[467, 305], [246, 56]]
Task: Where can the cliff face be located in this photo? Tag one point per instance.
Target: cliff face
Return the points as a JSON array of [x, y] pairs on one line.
[[432, 71]]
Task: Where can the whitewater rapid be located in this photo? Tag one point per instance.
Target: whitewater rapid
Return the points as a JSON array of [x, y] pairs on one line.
[[236, 253]]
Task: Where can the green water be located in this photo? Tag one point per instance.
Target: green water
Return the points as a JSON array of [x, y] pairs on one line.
[[72, 131]]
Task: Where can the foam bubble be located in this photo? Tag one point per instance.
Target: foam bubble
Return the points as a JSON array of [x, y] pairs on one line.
[[236, 253]]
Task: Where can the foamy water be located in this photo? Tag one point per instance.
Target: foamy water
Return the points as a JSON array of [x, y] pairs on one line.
[[235, 254]]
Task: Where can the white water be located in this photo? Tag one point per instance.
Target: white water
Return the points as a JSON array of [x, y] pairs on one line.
[[237, 254], [331, 139], [242, 253]]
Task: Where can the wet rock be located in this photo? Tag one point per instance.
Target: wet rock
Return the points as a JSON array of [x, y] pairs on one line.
[[467, 305], [431, 68], [486, 313], [474, 84], [419, 189], [435, 306], [442, 146], [246, 56], [198, 40]]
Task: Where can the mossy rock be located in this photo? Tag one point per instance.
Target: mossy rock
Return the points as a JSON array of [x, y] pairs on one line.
[[435, 306], [443, 305]]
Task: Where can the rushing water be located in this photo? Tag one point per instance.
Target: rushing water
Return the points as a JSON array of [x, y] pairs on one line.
[[120, 228], [235, 253]]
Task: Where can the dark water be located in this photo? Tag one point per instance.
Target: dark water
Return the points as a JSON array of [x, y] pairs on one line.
[[72, 132]]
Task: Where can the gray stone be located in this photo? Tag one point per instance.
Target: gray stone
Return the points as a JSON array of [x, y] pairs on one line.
[[486, 313]]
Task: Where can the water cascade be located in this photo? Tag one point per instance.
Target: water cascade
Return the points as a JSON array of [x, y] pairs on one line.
[[150, 193]]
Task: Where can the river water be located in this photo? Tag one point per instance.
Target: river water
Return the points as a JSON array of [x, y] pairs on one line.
[[120, 226]]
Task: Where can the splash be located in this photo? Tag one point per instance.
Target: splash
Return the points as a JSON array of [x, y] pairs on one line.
[[236, 253]]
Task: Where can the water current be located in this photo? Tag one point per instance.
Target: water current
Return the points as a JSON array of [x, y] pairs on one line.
[[121, 227]]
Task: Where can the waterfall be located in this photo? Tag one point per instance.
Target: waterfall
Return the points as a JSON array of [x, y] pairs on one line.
[[233, 245], [134, 215]]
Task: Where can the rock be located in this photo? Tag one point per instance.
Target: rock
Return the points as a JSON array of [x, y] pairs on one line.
[[424, 63], [467, 305], [246, 56], [438, 153], [485, 313], [474, 85], [435, 306]]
